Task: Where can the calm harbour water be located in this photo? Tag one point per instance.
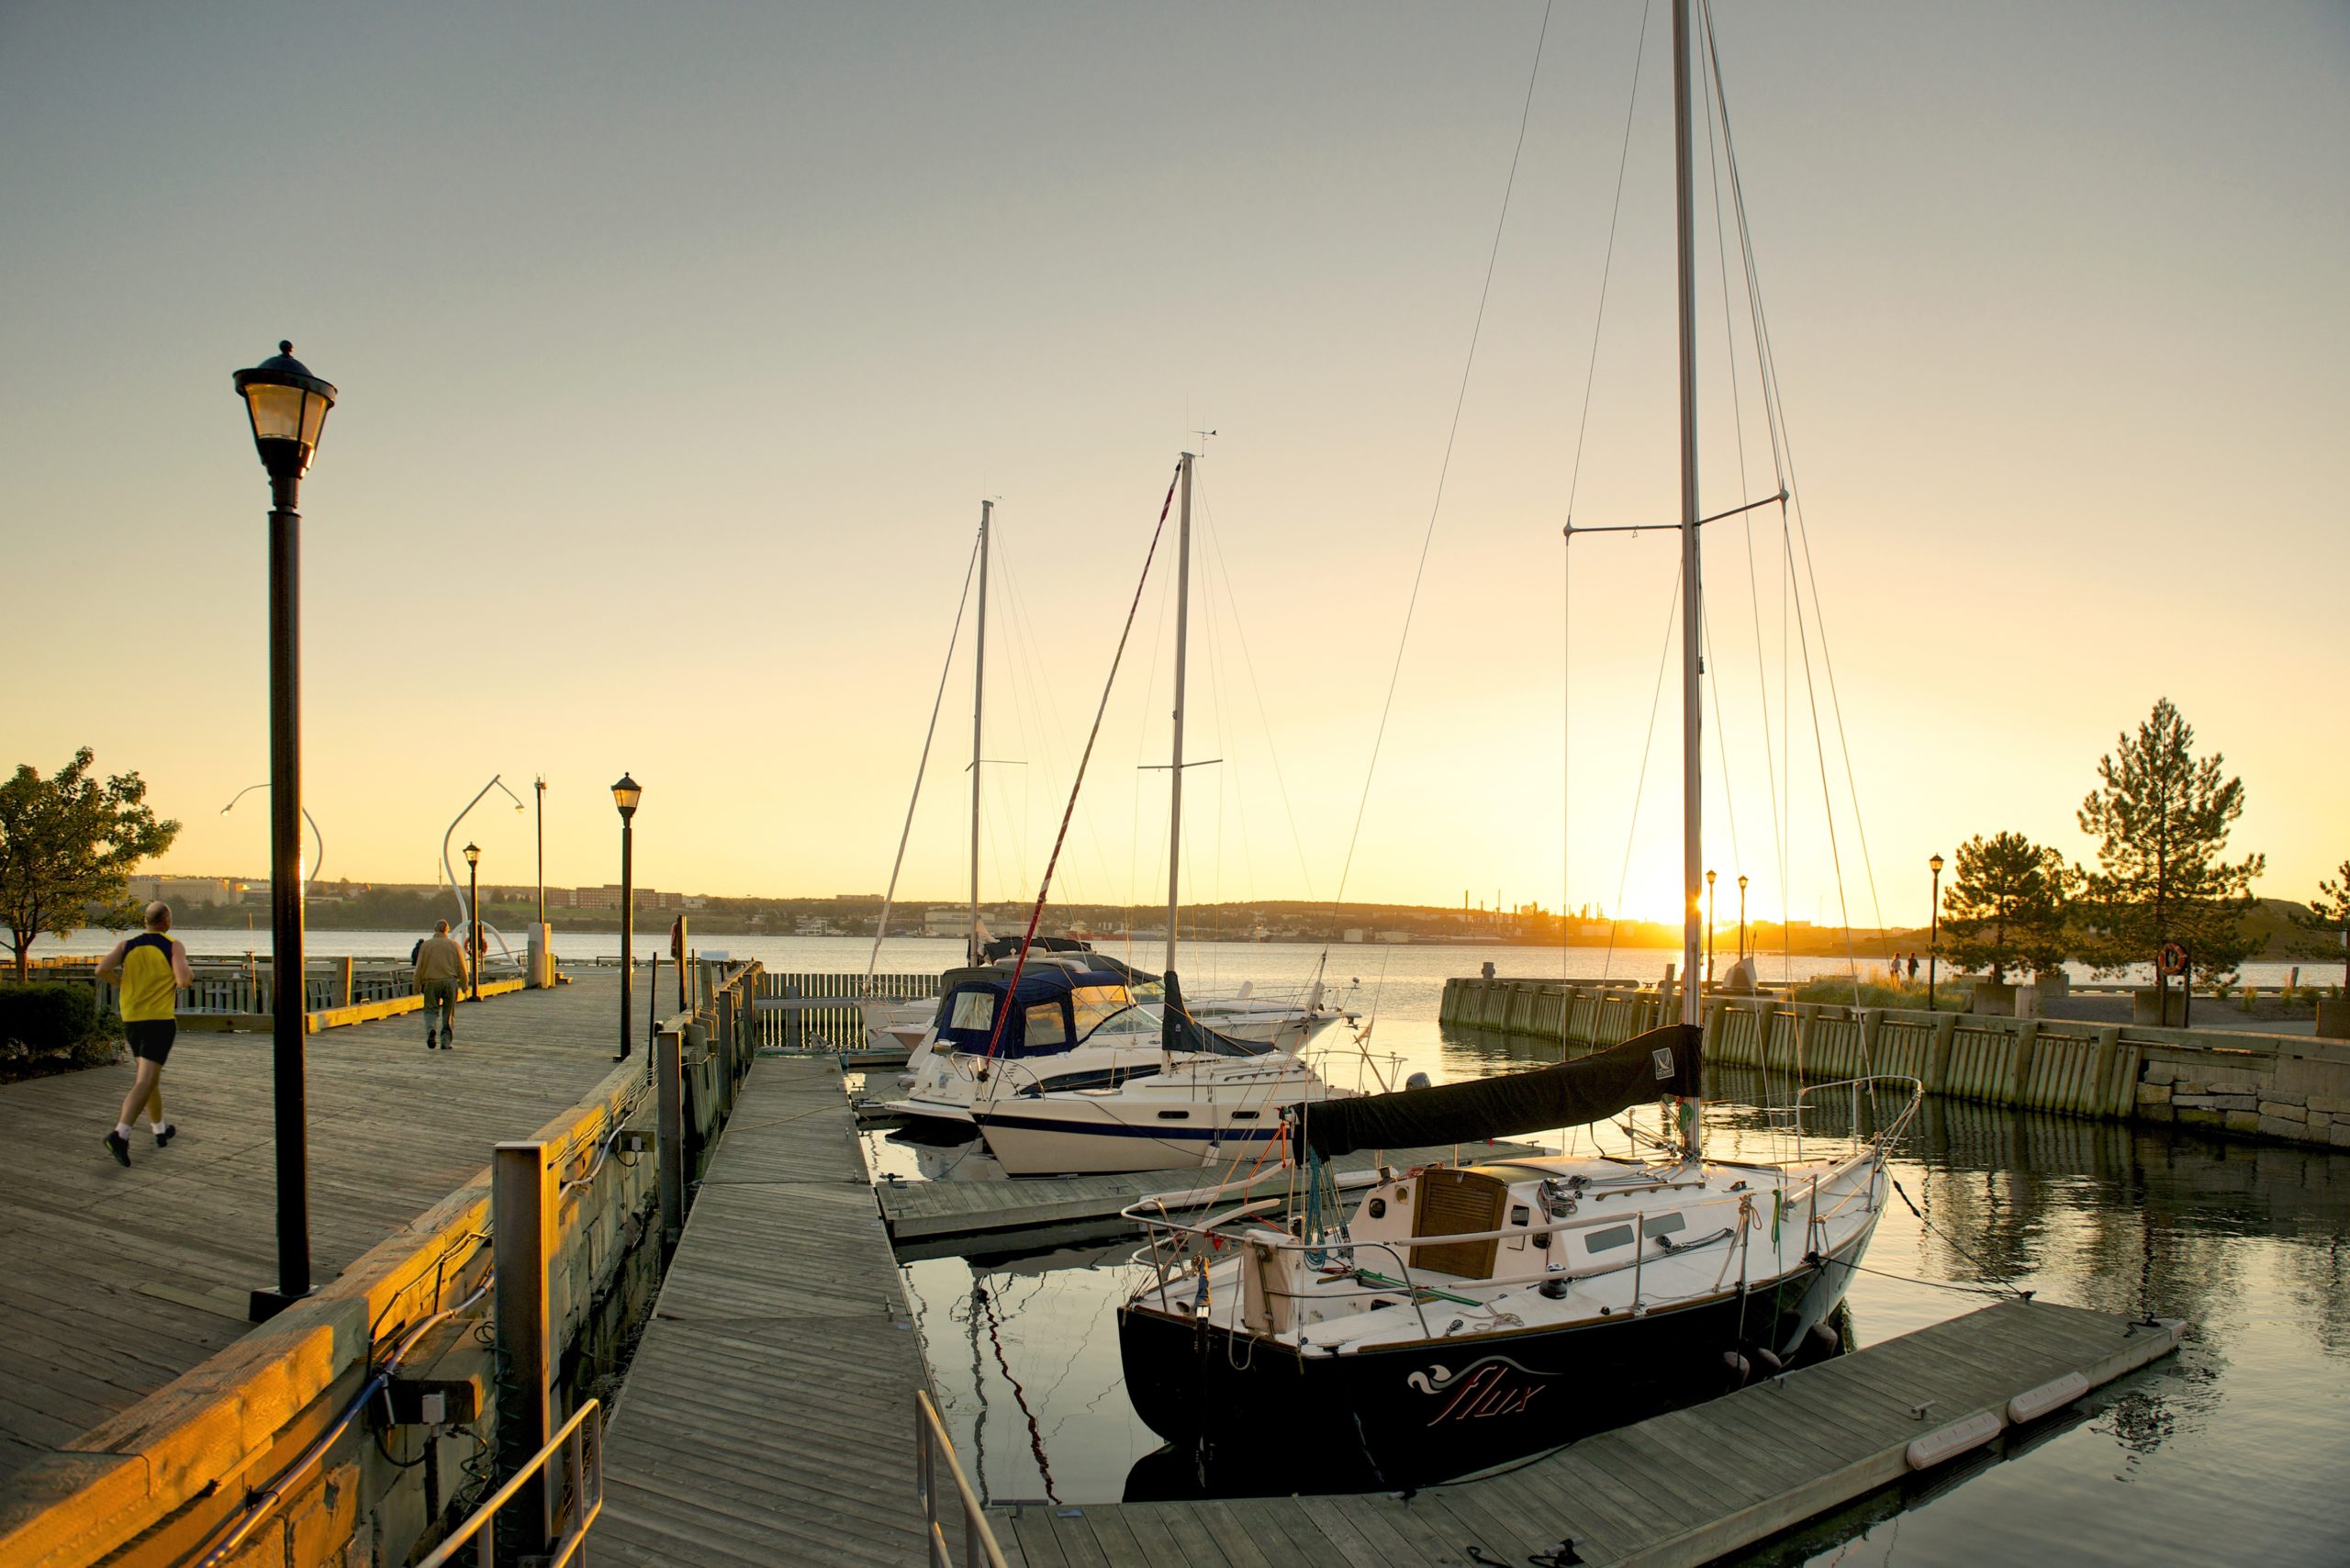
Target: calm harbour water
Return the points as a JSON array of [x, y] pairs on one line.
[[2235, 1451]]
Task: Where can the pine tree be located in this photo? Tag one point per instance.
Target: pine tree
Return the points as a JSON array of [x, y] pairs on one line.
[[2161, 818], [2006, 904], [2330, 913]]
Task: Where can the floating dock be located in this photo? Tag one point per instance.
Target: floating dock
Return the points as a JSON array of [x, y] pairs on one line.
[[1670, 1492], [765, 1417]]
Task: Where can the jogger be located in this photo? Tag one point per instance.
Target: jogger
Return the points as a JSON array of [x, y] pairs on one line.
[[149, 970]]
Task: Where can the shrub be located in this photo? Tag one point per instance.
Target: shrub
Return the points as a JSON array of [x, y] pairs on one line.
[[1876, 993], [53, 1027]]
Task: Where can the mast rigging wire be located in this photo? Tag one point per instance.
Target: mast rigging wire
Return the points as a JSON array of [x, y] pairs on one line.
[[1435, 508], [922, 766], [1077, 784]]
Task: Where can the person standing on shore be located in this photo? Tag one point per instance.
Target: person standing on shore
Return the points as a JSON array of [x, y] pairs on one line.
[[147, 971], [440, 970]]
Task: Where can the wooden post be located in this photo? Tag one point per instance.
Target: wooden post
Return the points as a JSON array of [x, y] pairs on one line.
[[668, 1094], [2026, 1032], [1938, 1054], [342, 968], [725, 1039], [522, 1234], [2105, 1097], [1870, 1018]]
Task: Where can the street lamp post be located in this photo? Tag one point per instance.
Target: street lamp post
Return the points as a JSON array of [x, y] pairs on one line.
[[1709, 928], [1741, 917], [539, 787], [624, 795], [1933, 940], [473, 912], [287, 408]]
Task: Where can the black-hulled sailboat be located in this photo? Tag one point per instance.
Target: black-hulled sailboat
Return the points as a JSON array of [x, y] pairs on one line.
[[1461, 1312]]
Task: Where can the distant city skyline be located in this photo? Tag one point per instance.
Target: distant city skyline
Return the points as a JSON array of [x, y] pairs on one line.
[[677, 349]]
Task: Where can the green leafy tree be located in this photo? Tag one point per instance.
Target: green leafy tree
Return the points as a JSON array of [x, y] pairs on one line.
[[2330, 913], [2006, 905], [67, 843], [2161, 817]]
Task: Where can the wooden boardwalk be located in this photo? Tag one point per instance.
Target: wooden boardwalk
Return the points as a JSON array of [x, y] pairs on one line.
[[118, 1281], [1672, 1491], [918, 1211], [767, 1418]]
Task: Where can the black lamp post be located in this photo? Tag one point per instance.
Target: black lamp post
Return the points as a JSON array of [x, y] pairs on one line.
[[1709, 928], [624, 795], [539, 787], [287, 406], [1933, 940], [473, 912], [1741, 917]]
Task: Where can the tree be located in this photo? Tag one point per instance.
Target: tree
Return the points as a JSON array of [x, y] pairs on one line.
[[2161, 818], [67, 843], [2006, 904], [2330, 913]]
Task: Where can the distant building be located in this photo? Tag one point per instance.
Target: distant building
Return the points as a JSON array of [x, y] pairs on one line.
[[187, 892], [945, 922]]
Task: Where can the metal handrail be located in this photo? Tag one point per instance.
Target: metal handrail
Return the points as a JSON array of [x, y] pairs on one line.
[[582, 1443], [930, 1444]]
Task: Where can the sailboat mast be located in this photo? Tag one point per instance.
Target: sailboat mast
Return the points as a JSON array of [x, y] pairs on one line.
[[1692, 611], [1182, 629], [978, 719]]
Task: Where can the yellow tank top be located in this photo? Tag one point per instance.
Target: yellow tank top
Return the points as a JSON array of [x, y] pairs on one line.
[[149, 987]]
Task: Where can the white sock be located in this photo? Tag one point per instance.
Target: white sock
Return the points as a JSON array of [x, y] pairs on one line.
[[155, 1126], [122, 1130]]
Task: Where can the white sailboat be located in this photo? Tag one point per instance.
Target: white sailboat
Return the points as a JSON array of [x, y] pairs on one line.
[[1459, 1313], [1210, 1094]]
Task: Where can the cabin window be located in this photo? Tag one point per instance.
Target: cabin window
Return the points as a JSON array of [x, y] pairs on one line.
[[1046, 1026], [1608, 1240], [1244, 1115], [1662, 1225], [1174, 1115], [973, 1010], [1376, 1208]]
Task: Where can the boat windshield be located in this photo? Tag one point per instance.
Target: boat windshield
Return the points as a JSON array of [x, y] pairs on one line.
[[1121, 1022], [1090, 1004]]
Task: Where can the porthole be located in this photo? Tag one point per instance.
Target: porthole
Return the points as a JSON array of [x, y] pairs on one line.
[[1376, 1208]]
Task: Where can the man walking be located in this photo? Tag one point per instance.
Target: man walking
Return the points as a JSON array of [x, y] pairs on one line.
[[440, 970], [147, 971]]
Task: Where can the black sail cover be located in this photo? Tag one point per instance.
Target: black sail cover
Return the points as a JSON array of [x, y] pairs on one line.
[[1660, 1062]]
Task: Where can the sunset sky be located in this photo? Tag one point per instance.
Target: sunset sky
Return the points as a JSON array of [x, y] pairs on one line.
[[678, 346]]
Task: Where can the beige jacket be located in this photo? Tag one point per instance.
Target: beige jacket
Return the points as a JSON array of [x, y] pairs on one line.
[[440, 959]]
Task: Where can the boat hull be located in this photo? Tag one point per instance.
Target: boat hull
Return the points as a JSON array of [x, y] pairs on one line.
[[1416, 1413]]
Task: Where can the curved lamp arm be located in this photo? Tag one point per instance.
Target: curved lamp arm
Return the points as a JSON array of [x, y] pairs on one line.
[[318, 861], [448, 874]]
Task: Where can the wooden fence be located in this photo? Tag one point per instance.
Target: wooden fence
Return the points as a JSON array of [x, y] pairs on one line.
[[802, 1011]]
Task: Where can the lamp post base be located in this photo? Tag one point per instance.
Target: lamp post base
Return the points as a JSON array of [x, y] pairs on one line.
[[262, 1305]]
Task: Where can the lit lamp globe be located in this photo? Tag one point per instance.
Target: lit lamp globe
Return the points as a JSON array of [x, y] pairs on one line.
[[625, 794], [472, 854], [288, 408]]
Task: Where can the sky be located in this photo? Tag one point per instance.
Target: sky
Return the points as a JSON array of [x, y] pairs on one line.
[[677, 347]]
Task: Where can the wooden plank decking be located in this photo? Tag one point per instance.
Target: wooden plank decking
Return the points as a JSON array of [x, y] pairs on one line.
[[767, 1418], [1672, 1491], [118, 1281]]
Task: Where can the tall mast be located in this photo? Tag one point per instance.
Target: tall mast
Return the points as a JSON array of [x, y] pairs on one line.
[[1182, 627], [978, 717], [1692, 611]]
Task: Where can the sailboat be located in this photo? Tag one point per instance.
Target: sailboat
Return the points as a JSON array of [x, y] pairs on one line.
[[1461, 1312], [1210, 1094], [1106, 1014]]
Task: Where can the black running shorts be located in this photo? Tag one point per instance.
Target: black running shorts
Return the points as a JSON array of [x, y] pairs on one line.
[[151, 1038]]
